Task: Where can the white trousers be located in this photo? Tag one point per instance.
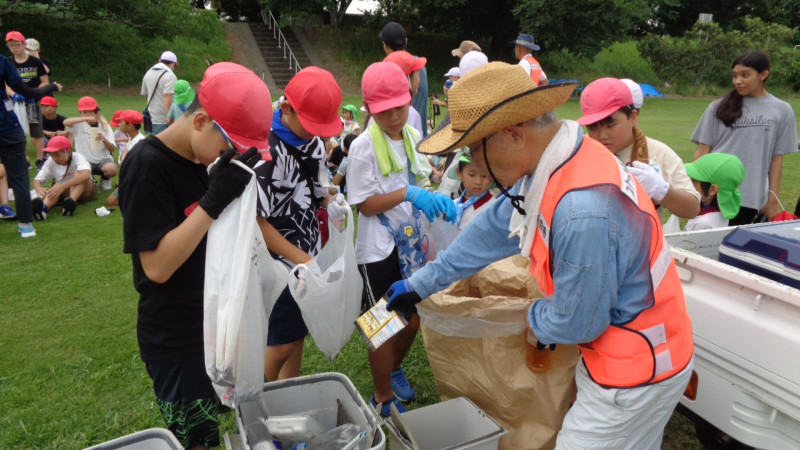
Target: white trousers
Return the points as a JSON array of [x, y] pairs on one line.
[[620, 418]]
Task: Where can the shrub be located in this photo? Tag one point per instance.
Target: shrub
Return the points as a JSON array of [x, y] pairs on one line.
[[622, 60]]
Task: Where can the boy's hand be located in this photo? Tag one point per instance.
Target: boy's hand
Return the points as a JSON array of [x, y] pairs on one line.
[[446, 206], [422, 200], [227, 181], [402, 297]]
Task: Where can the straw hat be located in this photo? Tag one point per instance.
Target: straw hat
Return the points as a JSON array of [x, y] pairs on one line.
[[492, 97]]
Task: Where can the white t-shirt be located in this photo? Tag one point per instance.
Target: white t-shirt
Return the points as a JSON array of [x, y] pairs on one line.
[[527, 66], [83, 142], [706, 222], [374, 242], [134, 140], [52, 171]]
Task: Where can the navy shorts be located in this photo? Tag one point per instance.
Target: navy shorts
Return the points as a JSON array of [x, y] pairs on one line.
[[378, 276], [187, 401], [286, 324]]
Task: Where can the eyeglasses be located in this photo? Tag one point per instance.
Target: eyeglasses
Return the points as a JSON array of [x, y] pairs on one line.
[[15, 44], [223, 133]]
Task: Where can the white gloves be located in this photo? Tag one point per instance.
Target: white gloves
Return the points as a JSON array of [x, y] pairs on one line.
[[313, 268], [337, 207], [651, 180]]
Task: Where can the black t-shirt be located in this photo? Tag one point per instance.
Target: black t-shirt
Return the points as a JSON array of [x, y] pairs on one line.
[[157, 190], [56, 124], [30, 70]]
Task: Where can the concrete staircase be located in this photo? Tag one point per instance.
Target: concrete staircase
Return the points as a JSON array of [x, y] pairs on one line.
[[273, 55]]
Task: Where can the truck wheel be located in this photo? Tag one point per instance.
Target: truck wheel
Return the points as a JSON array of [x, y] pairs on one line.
[[713, 438]]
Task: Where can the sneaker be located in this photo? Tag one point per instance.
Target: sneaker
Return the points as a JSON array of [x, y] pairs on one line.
[[105, 184], [39, 209], [385, 407], [39, 163], [401, 387], [26, 230], [69, 207], [6, 212]]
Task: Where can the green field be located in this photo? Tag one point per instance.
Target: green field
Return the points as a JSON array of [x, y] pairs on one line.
[[70, 374]]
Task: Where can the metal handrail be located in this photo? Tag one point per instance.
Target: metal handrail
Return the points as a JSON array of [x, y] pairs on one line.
[[270, 21]]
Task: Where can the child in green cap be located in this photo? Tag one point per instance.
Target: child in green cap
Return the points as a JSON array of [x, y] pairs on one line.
[[350, 117], [717, 177], [184, 94]]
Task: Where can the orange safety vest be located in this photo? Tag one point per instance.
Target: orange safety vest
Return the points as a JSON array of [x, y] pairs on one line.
[[657, 343], [536, 68]]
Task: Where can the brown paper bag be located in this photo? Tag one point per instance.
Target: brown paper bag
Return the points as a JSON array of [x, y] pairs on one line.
[[474, 335]]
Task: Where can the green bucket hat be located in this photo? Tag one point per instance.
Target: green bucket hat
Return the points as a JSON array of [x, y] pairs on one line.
[[352, 109], [727, 172], [184, 94]]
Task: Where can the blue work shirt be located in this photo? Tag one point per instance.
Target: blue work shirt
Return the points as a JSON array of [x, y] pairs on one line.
[[599, 253], [9, 75]]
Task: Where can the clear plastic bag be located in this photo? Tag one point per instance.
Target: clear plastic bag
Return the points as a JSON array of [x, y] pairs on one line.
[[441, 234], [242, 283], [22, 115], [331, 304]]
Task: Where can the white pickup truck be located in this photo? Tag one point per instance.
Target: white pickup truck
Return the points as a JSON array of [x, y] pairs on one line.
[[747, 349]]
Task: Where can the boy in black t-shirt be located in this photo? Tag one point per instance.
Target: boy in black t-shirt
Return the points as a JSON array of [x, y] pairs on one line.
[[168, 202], [52, 123], [33, 73]]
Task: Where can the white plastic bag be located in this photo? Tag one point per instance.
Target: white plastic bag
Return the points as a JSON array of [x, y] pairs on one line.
[[242, 283], [22, 116], [331, 304], [672, 225]]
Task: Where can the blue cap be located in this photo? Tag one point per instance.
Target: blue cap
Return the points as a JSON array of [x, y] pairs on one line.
[[526, 40]]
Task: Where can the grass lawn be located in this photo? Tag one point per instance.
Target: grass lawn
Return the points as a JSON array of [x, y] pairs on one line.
[[70, 374]]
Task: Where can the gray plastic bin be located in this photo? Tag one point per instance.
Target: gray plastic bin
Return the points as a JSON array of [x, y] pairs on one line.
[[150, 439], [319, 395], [454, 424]]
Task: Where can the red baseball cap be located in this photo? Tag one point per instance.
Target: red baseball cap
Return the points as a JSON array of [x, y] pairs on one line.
[[315, 95], [57, 143], [406, 61], [15, 36], [114, 122], [238, 100], [87, 104], [49, 101], [602, 98], [131, 116], [385, 86]]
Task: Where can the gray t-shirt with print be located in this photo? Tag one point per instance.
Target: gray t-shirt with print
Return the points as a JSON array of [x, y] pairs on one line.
[[766, 129]]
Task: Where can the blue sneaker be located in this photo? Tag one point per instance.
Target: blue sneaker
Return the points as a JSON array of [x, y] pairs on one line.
[[401, 387], [6, 212], [385, 407], [26, 230]]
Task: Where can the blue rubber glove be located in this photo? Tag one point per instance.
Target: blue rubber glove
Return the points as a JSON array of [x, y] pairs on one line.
[[446, 207], [422, 200], [402, 297], [18, 98]]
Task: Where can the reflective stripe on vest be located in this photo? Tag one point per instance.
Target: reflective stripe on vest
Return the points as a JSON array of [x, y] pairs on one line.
[[536, 69], [658, 342]]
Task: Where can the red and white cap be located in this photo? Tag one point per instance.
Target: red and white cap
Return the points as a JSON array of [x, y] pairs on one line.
[[602, 98], [239, 101], [316, 97]]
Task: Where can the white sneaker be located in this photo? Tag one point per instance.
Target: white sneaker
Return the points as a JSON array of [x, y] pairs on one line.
[[105, 184]]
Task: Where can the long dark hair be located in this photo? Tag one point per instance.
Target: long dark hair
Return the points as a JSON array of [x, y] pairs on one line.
[[730, 108]]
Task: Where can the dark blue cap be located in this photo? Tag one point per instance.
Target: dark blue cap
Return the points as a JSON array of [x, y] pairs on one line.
[[526, 40]]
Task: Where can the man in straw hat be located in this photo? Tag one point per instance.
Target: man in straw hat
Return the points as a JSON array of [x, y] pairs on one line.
[[597, 252]]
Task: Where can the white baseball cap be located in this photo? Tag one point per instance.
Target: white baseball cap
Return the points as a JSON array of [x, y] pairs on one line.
[[453, 72], [636, 92], [472, 60], [168, 56]]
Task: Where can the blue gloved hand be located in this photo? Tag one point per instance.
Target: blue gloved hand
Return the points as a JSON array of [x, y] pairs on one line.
[[18, 98], [446, 206], [402, 297], [422, 200]]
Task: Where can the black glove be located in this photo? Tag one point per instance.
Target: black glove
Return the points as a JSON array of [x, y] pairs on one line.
[[226, 181], [402, 297]]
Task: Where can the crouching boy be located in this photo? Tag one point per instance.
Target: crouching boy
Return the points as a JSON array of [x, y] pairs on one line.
[[72, 175]]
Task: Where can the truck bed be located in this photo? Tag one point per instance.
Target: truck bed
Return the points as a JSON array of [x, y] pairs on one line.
[[747, 339]]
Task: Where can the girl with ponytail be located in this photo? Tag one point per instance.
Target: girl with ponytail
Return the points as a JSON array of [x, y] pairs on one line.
[[754, 125]]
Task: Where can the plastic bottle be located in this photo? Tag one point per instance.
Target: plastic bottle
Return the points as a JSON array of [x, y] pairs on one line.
[[538, 357]]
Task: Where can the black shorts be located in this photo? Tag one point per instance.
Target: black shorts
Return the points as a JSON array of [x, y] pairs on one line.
[[187, 401], [286, 324], [378, 276]]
